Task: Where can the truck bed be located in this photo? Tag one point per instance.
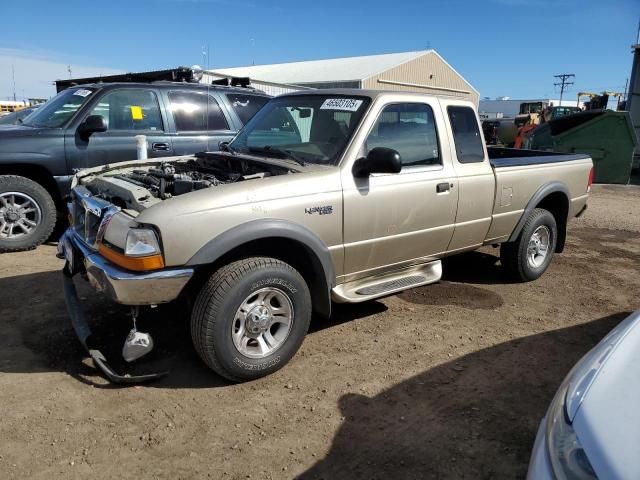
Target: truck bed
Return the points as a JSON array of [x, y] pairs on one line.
[[513, 157]]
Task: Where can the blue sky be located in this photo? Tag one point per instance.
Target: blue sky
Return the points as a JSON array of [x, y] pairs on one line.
[[503, 47]]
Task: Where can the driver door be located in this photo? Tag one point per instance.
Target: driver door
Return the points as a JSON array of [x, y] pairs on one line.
[[127, 112], [395, 220]]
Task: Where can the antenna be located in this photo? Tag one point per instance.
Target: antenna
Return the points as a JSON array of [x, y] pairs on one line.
[[205, 61], [13, 76]]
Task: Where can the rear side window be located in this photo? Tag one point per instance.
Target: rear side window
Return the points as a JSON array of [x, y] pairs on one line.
[[466, 134], [196, 112], [246, 106]]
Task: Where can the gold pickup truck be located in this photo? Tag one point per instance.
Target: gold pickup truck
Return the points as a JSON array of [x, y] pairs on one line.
[[325, 196]]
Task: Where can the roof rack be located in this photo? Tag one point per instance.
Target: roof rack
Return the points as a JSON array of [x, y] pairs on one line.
[[180, 74]]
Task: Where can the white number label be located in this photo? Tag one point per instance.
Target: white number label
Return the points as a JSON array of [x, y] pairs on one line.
[[349, 104]]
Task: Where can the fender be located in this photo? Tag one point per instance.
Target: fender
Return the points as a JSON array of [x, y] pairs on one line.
[[538, 196], [275, 228]]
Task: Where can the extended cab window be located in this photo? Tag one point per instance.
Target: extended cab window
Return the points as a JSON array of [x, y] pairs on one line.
[[410, 129], [130, 109], [466, 134], [246, 106], [196, 112]]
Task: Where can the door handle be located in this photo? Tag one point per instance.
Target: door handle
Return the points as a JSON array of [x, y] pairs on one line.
[[160, 146], [443, 187]]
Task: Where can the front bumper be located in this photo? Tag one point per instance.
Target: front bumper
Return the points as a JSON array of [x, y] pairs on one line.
[[122, 286]]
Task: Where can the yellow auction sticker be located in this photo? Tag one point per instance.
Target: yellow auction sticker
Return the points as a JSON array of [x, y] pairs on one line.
[[136, 112]]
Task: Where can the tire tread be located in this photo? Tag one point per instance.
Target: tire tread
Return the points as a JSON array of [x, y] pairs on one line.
[[209, 302]]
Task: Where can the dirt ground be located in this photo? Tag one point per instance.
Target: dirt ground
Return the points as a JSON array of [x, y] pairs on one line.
[[446, 381]]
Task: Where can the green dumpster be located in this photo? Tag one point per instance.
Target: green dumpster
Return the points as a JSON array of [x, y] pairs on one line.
[[607, 136]]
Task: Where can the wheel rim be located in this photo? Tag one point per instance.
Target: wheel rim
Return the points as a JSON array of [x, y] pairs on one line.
[[262, 323], [20, 215], [538, 248]]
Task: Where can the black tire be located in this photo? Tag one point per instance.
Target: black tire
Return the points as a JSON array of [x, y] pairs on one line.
[[44, 224], [215, 308], [514, 255]]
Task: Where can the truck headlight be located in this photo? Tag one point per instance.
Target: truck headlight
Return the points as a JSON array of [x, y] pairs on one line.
[[141, 242], [141, 252], [568, 459]]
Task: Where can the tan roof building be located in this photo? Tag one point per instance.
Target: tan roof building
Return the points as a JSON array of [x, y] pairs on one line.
[[422, 71]]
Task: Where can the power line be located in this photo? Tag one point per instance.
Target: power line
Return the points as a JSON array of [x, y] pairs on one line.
[[563, 81]]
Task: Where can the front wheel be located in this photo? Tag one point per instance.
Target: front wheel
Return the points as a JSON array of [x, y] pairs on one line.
[[27, 214], [529, 256], [250, 318]]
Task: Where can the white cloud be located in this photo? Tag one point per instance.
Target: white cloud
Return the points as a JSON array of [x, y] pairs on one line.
[[36, 72]]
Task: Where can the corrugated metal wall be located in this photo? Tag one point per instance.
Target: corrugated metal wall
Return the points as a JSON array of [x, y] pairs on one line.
[[425, 71]]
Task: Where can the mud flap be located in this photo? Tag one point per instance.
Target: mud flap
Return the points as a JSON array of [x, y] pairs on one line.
[[81, 327]]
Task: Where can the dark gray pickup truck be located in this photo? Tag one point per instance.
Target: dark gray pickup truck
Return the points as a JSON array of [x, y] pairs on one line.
[[96, 124]]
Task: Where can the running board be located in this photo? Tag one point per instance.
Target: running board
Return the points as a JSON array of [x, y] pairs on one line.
[[374, 287]]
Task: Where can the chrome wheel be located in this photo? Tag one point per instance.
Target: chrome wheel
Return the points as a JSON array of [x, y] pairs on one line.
[[19, 215], [262, 323], [538, 248]]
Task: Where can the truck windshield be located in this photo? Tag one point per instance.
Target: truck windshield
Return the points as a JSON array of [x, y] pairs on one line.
[[59, 109], [304, 128]]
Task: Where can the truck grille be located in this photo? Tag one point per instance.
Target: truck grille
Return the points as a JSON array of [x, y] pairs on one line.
[[90, 215]]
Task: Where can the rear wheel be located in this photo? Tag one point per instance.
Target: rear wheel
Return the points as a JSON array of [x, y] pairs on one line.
[[529, 256], [250, 318], [27, 214]]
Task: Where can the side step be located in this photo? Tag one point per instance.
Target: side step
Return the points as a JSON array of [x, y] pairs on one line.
[[379, 286]]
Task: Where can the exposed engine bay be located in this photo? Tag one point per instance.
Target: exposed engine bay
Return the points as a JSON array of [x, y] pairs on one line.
[[138, 186]]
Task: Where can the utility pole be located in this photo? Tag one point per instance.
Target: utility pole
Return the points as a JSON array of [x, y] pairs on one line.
[[563, 82]]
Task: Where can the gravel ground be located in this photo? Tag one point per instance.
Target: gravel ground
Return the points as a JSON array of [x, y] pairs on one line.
[[445, 381]]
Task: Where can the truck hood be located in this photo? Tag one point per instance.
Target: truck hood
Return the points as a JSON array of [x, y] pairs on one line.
[[188, 184], [15, 131]]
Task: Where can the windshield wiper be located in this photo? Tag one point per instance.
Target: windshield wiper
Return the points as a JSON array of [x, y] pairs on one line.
[[269, 150]]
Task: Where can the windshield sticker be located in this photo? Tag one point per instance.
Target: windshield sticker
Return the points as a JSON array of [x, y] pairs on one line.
[[350, 104], [83, 92]]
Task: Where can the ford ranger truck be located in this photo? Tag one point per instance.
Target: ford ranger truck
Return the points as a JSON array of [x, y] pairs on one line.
[[324, 196]]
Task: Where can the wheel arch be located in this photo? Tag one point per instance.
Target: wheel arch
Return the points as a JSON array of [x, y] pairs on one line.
[[287, 241], [38, 174], [553, 197]]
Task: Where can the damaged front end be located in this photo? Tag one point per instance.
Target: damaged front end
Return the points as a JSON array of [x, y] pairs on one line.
[[123, 257], [82, 248]]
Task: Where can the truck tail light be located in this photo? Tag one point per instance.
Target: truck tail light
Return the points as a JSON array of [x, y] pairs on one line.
[[590, 181]]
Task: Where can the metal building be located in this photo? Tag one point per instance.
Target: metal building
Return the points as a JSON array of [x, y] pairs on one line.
[[422, 71]]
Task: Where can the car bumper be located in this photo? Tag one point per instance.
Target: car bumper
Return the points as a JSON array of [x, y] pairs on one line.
[[122, 286], [539, 465]]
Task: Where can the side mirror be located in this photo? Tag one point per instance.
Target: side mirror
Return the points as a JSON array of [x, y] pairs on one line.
[[378, 160], [92, 124]]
